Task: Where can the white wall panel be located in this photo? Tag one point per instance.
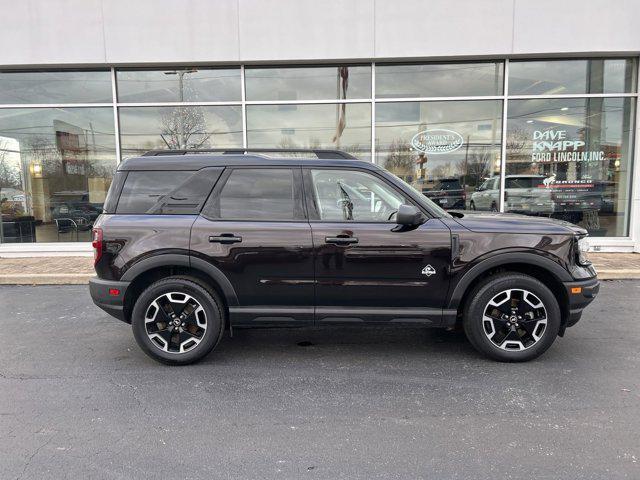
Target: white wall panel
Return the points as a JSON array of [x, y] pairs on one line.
[[419, 28], [59, 32], [51, 32], [305, 29], [171, 30], [576, 26]]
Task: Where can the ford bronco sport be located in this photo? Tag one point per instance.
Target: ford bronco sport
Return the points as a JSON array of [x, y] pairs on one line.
[[191, 244]]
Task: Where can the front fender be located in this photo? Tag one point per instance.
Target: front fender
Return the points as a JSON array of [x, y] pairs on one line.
[[504, 259]]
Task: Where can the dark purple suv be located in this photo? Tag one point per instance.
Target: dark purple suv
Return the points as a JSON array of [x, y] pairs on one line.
[[191, 244]]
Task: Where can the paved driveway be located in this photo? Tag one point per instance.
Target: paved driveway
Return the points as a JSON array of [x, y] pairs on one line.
[[79, 400]]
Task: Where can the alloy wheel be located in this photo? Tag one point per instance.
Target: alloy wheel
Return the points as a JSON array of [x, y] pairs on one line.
[[175, 322], [514, 319]]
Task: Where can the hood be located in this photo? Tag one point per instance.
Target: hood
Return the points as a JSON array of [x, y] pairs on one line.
[[512, 223]]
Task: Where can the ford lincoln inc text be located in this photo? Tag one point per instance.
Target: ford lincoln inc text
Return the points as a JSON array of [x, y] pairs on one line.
[[193, 244]]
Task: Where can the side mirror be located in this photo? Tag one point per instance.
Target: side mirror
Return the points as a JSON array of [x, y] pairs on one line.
[[409, 216]]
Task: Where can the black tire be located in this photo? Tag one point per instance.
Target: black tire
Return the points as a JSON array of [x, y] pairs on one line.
[[204, 296], [478, 330]]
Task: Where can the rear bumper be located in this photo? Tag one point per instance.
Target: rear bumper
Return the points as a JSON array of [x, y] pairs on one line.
[[580, 295], [103, 293]]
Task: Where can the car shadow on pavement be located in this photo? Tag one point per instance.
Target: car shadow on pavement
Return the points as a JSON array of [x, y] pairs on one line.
[[336, 342]]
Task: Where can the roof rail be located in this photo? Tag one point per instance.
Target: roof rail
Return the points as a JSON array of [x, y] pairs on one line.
[[320, 153]]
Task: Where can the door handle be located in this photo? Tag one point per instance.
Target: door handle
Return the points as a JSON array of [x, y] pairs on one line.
[[341, 240], [225, 238]]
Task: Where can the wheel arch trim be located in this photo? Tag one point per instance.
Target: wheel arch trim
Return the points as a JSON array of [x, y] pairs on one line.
[[504, 259], [183, 260]]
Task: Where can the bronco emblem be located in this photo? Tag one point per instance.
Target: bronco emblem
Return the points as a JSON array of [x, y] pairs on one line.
[[428, 271]]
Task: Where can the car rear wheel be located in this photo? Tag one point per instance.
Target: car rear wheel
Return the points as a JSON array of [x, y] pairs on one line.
[[177, 321], [511, 317]]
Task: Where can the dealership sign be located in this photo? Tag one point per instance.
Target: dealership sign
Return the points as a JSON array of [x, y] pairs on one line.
[[437, 140], [556, 146]]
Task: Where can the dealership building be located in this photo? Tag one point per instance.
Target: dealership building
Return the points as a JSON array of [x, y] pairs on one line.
[[523, 106]]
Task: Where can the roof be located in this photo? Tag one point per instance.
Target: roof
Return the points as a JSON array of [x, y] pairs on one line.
[[203, 160]]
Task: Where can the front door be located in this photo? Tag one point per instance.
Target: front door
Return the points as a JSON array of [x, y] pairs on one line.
[[366, 269], [254, 230]]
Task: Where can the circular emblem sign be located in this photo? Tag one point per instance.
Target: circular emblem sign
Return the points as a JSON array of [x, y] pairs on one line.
[[437, 140]]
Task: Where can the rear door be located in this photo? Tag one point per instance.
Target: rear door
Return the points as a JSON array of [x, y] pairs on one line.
[[254, 229], [366, 269]]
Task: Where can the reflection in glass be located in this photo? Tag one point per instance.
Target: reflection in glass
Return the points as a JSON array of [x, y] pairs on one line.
[[56, 166], [258, 194], [162, 128], [571, 159], [179, 85], [55, 87], [553, 77], [354, 196], [308, 83], [447, 150], [439, 80], [343, 126]]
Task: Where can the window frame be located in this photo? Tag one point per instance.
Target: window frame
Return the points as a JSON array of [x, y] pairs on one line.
[[211, 208]]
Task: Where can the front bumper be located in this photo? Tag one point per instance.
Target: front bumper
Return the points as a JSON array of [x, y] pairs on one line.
[[580, 294], [103, 294]]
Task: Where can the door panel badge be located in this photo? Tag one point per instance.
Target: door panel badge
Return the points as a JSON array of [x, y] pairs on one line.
[[428, 271]]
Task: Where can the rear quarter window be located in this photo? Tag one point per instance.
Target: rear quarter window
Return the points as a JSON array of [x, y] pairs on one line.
[[166, 192]]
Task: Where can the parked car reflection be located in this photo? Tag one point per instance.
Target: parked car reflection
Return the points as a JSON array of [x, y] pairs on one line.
[[527, 194], [448, 193]]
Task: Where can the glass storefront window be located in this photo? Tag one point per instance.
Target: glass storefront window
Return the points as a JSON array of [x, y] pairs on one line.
[[567, 158], [449, 150], [308, 83], [57, 87], [439, 80], [570, 159], [56, 165], [179, 85], [553, 77], [161, 128], [342, 126]]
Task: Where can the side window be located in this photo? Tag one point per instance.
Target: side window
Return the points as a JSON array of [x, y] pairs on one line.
[[257, 194], [166, 192], [351, 195]]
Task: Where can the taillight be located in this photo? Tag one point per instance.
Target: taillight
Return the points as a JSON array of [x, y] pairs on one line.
[[97, 245]]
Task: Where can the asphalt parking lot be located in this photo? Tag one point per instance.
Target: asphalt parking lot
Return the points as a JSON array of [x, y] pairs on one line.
[[78, 399]]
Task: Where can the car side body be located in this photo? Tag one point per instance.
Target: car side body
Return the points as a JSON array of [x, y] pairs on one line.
[[308, 271]]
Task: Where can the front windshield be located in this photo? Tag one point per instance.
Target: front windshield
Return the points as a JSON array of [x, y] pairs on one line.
[[432, 205]]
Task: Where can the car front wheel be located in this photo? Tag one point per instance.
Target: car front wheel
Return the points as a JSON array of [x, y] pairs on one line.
[[511, 317], [177, 321]]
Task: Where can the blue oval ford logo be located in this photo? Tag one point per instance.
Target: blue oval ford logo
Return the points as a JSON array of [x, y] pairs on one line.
[[437, 140]]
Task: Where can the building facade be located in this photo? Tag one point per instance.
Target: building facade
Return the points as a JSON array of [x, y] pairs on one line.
[[525, 106]]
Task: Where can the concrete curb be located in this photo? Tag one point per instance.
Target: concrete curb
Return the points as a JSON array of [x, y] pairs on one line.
[[45, 279], [83, 278], [622, 274]]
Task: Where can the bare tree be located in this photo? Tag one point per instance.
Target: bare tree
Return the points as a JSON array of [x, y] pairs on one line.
[[9, 174], [516, 142], [184, 127], [477, 166], [401, 159]]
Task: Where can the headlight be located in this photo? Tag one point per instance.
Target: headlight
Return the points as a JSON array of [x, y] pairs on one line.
[[583, 248]]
